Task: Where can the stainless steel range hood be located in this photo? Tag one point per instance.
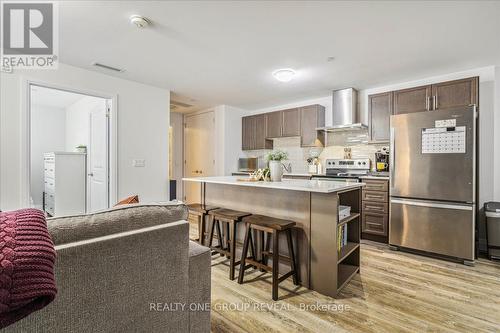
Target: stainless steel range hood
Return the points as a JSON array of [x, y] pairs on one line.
[[345, 114]]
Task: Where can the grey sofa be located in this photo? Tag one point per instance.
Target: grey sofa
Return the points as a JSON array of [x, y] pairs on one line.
[[128, 269]]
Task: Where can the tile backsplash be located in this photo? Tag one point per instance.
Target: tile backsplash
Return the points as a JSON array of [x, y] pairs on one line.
[[356, 140]]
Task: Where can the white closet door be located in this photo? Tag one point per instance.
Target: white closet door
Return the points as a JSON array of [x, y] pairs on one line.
[[97, 196], [199, 153]]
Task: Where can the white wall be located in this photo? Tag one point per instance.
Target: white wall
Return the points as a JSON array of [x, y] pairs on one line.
[[78, 121], [497, 135], [232, 138], [142, 131], [177, 124], [47, 134]]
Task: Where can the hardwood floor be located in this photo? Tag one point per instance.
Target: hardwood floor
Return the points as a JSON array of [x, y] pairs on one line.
[[396, 292]]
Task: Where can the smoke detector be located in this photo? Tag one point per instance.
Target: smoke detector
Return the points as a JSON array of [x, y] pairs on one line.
[[139, 21]]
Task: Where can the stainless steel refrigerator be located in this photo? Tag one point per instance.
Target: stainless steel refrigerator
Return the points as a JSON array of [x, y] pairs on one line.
[[433, 182]]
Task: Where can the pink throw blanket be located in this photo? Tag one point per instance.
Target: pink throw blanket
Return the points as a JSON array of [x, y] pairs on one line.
[[27, 257]]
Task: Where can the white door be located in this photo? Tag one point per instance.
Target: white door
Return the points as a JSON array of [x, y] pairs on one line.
[[199, 132], [97, 189]]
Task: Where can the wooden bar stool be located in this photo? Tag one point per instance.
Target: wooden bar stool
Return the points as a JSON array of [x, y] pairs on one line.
[[200, 211], [226, 246], [272, 228]]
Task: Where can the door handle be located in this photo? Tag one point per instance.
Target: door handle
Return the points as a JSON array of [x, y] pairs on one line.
[[435, 104], [427, 103], [90, 174], [392, 146]]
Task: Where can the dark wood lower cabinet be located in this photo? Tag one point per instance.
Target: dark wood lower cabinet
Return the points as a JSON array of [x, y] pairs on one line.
[[377, 196], [375, 210], [376, 224]]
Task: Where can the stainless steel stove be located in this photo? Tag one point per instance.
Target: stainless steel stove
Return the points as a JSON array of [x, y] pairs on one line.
[[348, 170]]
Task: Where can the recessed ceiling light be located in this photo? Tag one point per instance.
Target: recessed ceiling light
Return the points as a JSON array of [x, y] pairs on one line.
[[284, 74], [139, 21]]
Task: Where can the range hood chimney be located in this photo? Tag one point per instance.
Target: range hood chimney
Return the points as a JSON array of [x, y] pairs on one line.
[[345, 114]]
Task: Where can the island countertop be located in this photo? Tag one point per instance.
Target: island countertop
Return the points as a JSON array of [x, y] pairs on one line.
[[315, 186]]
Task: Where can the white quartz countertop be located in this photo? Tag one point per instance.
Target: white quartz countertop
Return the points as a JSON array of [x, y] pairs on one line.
[[318, 186], [375, 177], [292, 174]]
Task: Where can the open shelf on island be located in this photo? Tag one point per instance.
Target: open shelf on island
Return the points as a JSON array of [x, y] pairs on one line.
[[338, 259], [349, 228], [347, 250], [349, 218], [345, 274]]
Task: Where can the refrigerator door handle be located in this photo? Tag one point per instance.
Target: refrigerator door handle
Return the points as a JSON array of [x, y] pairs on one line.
[[431, 204], [392, 146]]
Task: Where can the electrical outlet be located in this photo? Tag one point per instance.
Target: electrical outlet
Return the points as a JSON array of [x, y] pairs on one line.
[[139, 163]]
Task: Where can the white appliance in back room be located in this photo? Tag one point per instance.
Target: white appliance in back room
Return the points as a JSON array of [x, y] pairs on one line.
[[433, 182], [65, 179]]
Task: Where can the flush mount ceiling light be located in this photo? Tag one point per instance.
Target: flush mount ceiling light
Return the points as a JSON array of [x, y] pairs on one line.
[[139, 21], [284, 74]]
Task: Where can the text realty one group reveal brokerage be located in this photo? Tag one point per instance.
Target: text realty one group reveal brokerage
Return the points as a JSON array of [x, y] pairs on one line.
[[246, 306]]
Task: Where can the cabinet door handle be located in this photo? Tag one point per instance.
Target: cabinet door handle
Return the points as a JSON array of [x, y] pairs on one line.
[[427, 102], [435, 102]]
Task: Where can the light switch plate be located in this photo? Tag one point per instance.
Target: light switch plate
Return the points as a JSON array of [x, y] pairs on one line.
[[139, 163]]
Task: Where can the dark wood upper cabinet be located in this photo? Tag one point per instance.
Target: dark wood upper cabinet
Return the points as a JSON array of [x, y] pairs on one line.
[[455, 93], [380, 111], [291, 122], [312, 117], [274, 124], [248, 133], [261, 141], [411, 100], [254, 133], [438, 96]]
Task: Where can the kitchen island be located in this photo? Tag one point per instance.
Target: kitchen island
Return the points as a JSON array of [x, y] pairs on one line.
[[314, 206]]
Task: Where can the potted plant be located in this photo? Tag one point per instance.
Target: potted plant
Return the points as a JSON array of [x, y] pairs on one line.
[[275, 165], [81, 148]]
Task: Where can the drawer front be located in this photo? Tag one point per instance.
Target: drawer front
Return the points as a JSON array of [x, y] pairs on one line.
[[49, 170], [375, 196], [49, 158], [375, 207], [376, 185], [375, 224], [49, 196], [49, 206], [50, 185]]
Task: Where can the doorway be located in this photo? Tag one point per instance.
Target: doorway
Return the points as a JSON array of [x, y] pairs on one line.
[[69, 151], [199, 159]]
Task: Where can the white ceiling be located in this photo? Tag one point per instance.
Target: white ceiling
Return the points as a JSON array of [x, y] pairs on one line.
[[224, 52], [53, 97]]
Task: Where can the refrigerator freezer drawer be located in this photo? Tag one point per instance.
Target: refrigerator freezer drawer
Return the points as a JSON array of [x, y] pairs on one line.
[[446, 229]]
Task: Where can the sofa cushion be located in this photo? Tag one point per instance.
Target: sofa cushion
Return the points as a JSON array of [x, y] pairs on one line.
[[199, 287], [69, 229]]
